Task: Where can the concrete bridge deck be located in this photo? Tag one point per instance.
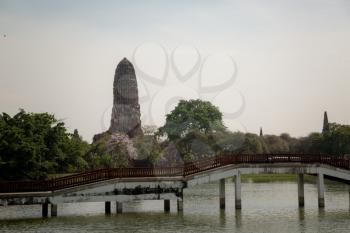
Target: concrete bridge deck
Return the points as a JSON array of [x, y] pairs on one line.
[[128, 184]]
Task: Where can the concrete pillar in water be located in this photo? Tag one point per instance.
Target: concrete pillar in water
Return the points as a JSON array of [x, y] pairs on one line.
[[222, 193], [320, 189], [45, 209], [349, 196], [180, 202], [238, 201], [301, 190], [167, 205], [53, 210], [107, 207], [180, 205], [119, 206]]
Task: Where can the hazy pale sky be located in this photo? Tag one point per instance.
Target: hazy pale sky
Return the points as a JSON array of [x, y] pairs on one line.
[[292, 60]]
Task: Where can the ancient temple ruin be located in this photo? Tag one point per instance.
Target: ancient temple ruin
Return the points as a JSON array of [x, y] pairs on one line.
[[126, 108]]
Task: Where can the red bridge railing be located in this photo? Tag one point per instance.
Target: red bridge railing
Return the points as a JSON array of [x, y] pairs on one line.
[[188, 169], [223, 160]]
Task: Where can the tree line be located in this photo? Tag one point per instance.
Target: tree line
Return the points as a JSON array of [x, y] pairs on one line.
[[33, 145], [197, 129]]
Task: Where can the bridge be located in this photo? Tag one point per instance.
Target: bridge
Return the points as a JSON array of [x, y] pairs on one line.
[[167, 183]]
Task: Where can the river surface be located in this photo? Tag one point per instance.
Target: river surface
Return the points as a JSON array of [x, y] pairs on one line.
[[266, 207]]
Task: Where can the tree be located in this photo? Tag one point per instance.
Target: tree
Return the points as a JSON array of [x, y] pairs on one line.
[[337, 139], [148, 148], [195, 145], [76, 149], [191, 115], [276, 144], [253, 144], [191, 126], [226, 141], [33, 145], [334, 141]]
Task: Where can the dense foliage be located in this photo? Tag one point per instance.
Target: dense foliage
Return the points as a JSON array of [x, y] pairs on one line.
[[196, 128], [191, 127], [33, 145], [335, 141], [108, 152], [192, 115]]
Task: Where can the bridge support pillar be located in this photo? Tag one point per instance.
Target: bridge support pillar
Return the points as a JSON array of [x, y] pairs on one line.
[[349, 195], [222, 193], [301, 190], [45, 209], [180, 205], [119, 207], [180, 202], [320, 189], [167, 205], [107, 207], [238, 201], [53, 210]]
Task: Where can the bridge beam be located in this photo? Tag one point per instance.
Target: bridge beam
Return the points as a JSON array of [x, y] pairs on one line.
[[119, 207], [167, 205], [238, 201], [320, 189], [53, 210], [107, 207], [301, 190], [45, 210], [222, 193]]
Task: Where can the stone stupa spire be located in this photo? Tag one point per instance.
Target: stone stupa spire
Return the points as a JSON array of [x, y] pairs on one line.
[[126, 109], [325, 123]]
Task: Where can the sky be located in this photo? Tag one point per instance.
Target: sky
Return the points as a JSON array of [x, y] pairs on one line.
[[276, 64]]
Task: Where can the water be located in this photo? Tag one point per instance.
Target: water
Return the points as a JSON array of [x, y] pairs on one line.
[[266, 207]]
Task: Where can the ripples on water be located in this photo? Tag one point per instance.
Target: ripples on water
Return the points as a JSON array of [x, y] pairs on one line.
[[266, 207]]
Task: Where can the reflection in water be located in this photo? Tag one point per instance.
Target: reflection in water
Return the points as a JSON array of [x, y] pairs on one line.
[[321, 213], [238, 218], [301, 212], [267, 207], [222, 218]]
